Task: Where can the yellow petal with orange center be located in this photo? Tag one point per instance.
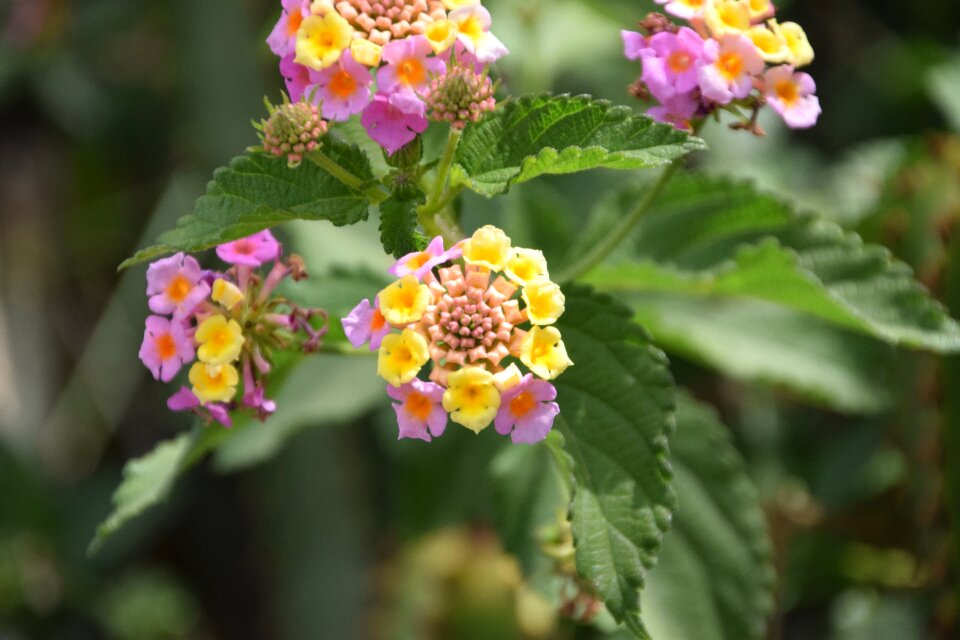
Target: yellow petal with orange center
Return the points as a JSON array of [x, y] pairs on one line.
[[404, 301], [527, 266], [801, 53], [488, 247], [545, 302], [320, 41], [727, 16], [771, 46], [441, 34], [402, 356], [472, 398], [216, 383], [544, 353], [220, 340]]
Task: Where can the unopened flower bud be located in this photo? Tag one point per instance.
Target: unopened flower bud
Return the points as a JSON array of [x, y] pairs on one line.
[[460, 96], [292, 130]]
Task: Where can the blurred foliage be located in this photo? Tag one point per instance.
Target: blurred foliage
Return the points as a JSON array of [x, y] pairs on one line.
[[115, 113]]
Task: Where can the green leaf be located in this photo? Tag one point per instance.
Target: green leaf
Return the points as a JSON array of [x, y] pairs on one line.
[[616, 412], [713, 238], [398, 224], [714, 578], [534, 135], [147, 481], [756, 341], [258, 191]]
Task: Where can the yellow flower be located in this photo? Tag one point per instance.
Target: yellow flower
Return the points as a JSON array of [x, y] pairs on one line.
[[402, 356], [441, 34], [365, 52], [220, 340], [543, 352], [761, 9], [508, 378], [216, 383], [472, 398], [727, 16], [456, 4], [801, 53], [227, 293], [404, 301], [488, 247], [320, 41], [527, 266], [771, 46], [545, 302]]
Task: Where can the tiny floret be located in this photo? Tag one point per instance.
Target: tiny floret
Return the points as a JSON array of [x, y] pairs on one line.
[[545, 302], [320, 41], [544, 353], [488, 247], [404, 301], [472, 398], [220, 340], [402, 356], [214, 383]]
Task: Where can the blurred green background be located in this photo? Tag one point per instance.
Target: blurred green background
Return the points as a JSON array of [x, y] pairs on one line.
[[114, 114]]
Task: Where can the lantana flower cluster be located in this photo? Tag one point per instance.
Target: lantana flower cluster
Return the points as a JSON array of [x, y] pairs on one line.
[[471, 315], [225, 326], [733, 55], [398, 63]]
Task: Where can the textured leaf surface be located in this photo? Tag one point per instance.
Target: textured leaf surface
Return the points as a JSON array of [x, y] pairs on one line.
[[710, 237], [258, 191], [714, 579], [616, 412], [756, 341], [147, 481], [543, 134], [398, 224]]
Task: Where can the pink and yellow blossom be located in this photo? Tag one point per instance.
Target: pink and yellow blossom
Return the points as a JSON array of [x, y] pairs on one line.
[[473, 30], [165, 348], [420, 412], [419, 263], [365, 323], [527, 411], [791, 95], [343, 88], [730, 65], [175, 286], [251, 251]]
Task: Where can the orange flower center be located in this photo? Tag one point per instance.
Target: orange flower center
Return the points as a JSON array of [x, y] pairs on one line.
[[419, 260], [293, 23], [179, 288], [166, 346], [730, 64], [411, 72], [523, 404], [679, 61], [787, 91], [418, 405], [377, 321], [342, 85]]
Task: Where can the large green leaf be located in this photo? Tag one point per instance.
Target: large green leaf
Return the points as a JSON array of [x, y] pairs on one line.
[[756, 341], [616, 412], [710, 237], [258, 191], [147, 481], [714, 579], [543, 134]]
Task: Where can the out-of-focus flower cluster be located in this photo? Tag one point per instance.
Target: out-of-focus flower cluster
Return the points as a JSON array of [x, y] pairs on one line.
[[473, 313], [734, 55], [398, 63], [227, 324]]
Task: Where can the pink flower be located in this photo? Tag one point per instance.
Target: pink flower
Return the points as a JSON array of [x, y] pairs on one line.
[[185, 400], [165, 347], [296, 77], [283, 38], [634, 44], [254, 396], [251, 251], [474, 32], [420, 413], [729, 66], [408, 66], [175, 286], [419, 263], [676, 110], [365, 324], [389, 125], [343, 88], [685, 9], [527, 411], [791, 95], [671, 63], [460, 56]]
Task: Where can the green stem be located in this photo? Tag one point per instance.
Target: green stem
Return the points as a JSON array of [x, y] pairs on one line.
[[616, 235], [331, 166], [443, 169]]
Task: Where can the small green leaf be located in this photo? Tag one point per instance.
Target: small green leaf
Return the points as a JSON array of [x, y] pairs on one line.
[[534, 135], [398, 224], [258, 191], [616, 412], [147, 481], [714, 578], [713, 238]]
